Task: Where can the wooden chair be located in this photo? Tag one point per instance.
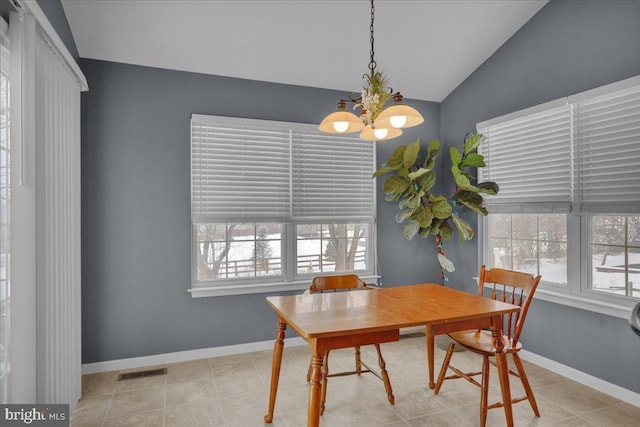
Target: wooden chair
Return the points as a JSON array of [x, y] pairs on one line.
[[508, 286], [347, 282]]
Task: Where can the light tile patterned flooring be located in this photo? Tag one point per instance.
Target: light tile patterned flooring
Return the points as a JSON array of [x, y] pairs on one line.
[[233, 391]]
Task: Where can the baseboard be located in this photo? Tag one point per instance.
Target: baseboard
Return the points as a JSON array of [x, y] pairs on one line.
[[182, 356], [583, 378], [185, 356]]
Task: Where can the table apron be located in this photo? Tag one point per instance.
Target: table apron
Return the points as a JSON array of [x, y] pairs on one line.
[[321, 345], [460, 325]]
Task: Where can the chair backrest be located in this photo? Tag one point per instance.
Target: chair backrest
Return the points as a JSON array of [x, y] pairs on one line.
[[336, 283], [513, 287]]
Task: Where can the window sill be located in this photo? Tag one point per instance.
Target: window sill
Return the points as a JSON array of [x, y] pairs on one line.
[[591, 301], [242, 289]]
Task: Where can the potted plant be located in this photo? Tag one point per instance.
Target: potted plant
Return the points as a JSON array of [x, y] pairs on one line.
[[410, 182]]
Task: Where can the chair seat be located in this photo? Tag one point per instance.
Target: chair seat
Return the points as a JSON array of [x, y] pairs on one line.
[[481, 341]]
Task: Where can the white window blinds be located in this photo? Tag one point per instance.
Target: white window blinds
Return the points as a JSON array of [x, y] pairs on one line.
[[239, 170], [578, 154], [530, 159], [331, 177], [256, 170], [608, 134]]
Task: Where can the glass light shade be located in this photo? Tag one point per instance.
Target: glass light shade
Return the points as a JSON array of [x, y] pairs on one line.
[[399, 115], [369, 133], [341, 121]]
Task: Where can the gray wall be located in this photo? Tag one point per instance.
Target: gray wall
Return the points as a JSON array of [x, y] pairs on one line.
[[136, 208], [55, 14], [568, 47]]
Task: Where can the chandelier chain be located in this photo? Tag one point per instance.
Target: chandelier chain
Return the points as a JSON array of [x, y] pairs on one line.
[[372, 62]]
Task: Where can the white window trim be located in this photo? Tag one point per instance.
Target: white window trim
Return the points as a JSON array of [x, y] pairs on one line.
[[290, 279], [576, 293]]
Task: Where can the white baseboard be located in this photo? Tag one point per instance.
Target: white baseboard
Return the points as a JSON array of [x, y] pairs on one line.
[[183, 356], [583, 378]]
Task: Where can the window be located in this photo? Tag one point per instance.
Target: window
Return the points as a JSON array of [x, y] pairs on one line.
[[274, 204], [569, 196]]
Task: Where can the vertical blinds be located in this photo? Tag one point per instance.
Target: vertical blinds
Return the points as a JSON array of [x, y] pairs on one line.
[[582, 156], [252, 170]]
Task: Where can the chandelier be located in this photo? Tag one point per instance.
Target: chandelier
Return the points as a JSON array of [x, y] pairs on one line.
[[375, 123]]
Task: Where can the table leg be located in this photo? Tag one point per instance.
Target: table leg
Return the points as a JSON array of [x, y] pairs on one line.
[[430, 355], [315, 387], [503, 370], [278, 346]]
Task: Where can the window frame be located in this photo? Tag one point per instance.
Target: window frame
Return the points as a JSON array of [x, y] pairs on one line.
[[290, 279], [578, 292]]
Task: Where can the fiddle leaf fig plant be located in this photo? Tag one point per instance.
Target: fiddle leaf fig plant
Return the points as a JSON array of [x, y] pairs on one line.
[[411, 180]]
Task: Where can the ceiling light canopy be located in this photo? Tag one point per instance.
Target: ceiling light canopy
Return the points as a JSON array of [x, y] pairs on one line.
[[375, 123]]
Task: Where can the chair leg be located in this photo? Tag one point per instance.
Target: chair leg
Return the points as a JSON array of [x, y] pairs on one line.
[[445, 366], [484, 394], [385, 375], [525, 384], [323, 388], [358, 361]]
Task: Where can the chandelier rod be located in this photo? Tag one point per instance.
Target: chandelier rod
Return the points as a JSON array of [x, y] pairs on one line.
[[372, 62]]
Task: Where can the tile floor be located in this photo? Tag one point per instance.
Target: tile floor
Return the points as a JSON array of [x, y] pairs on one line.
[[233, 391]]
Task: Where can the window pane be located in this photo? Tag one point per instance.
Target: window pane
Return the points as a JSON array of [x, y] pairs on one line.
[[553, 262], [633, 233], [608, 230], [332, 248], [500, 225], [536, 245], [238, 250], [309, 255], [634, 272], [608, 269], [500, 254], [525, 226]]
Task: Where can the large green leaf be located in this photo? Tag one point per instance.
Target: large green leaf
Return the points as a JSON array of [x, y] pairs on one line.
[[411, 153], [395, 185], [395, 160], [462, 181], [472, 142], [464, 229], [441, 209], [471, 200], [488, 187], [384, 169], [404, 214], [424, 216], [432, 152], [446, 232], [411, 228], [456, 157], [427, 180], [445, 263], [435, 226], [424, 232], [413, 175], [473, 160]]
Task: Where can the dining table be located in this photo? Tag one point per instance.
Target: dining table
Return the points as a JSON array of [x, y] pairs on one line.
[[329, 321]]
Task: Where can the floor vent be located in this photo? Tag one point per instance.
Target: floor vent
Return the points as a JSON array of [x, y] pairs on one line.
[[142, 374]]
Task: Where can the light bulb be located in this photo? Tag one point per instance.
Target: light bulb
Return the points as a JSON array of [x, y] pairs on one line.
[[381, 133], [398, 121], [340, 126]]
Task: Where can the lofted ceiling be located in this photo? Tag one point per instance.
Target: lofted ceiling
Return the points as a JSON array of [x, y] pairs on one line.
[[426, 48]]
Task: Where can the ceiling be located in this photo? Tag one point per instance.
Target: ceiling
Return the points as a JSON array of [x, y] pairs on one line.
[[426, 48]]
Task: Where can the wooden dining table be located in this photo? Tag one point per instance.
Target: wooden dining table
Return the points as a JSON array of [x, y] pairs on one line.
[[337, 320]]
